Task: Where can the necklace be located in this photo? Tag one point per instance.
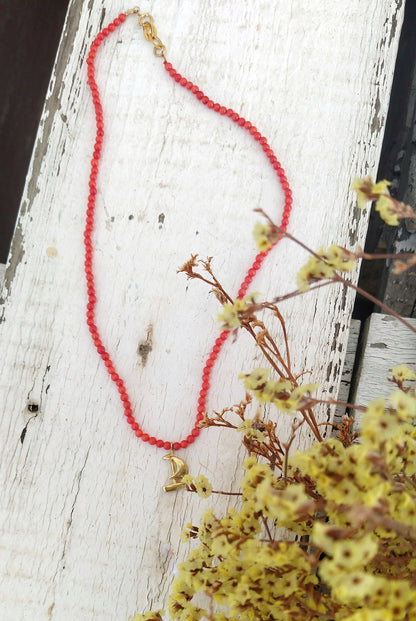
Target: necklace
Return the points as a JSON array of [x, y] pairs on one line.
[[179, 467]]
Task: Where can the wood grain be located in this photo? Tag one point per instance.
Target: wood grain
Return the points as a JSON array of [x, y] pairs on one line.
[[386, 343], [86, 532]]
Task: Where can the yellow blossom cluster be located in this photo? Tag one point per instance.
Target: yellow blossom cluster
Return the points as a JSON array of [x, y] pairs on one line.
[[279, 392], [231, 313], [352, 508], [352, 511], [262, 233], [390, 210], [324, 266], [199, 484]]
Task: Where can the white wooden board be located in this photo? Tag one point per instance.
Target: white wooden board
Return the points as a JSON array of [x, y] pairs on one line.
[[85, 530], [387, 343]]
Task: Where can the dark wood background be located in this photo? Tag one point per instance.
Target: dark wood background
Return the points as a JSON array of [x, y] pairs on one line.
[[29, 36]]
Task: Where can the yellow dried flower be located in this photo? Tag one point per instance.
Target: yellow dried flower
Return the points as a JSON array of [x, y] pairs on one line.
[[247, 427], [332, 259], [203, 486], [281, 392], [314, 270], [387, 210], [256, 380], [404, 404], [230, 317], [262, 234], [367, 190], [401, 373], [339, 258]]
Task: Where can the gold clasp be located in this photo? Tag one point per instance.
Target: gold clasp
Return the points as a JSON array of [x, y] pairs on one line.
[[149, 30]]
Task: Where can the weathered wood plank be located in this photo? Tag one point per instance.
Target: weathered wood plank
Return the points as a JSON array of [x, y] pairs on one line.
[[347, 368], [85, 531], [387, 343]]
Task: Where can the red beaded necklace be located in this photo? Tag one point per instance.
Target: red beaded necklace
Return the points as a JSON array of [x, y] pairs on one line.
[[146, 22]]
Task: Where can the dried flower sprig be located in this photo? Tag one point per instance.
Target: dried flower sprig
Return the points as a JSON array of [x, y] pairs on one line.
[[350, 500], [355, 504]]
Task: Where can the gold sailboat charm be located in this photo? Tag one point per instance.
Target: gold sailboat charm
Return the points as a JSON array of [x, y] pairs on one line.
[[179, 469]]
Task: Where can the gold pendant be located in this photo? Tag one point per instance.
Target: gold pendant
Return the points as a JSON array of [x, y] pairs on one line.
[[179, 469]]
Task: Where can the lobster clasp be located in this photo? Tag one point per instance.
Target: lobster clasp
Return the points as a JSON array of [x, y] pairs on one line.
[[149, 30]]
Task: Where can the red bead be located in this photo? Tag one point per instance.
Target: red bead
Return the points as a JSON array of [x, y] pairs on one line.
[[210, 104], [257, 135], [122, 17], [168, 66], [199, 94], [111, 27], [195, 432], [194, 88], [205, 100], [184, 444], [200, 417], [241, 121], [176, 446], [117, 21], [223, 110], [105, 32], [200, 409], [189, 85], [130, 420], [253, 130], [183, 81], [166, 446], [247, 125], [152, 440], [135, 426], [145, 437], [139, 433], [177, 77], [159, 443], [172, 72], [190, 439], [230, 112], [235, 117]]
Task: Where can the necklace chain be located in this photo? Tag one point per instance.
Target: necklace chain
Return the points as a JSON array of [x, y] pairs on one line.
[[146, 22]]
